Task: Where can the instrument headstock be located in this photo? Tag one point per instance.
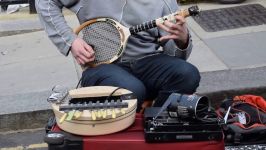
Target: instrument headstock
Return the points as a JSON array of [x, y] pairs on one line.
[[193, 10]]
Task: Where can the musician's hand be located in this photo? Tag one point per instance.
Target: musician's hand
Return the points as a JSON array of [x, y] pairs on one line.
[[177, 31], [82, 52]]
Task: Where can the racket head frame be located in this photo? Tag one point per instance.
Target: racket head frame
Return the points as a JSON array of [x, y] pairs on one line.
[[123, 32]]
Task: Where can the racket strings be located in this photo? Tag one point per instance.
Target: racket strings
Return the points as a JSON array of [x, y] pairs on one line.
[[105, 40]]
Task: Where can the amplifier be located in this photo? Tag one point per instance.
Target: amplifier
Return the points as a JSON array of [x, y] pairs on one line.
[[168, 129]]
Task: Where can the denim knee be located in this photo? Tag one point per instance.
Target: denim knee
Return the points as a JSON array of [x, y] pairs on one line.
[[112, 75], [191, 78]]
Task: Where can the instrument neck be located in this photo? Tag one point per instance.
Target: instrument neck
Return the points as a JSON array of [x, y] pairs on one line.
[[152, 24], [143, 27]]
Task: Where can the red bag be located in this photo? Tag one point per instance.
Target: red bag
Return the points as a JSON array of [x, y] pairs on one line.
[[246, 121], [129, 139]]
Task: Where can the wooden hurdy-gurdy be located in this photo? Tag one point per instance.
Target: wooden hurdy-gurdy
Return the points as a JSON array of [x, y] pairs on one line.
[[96, 110]]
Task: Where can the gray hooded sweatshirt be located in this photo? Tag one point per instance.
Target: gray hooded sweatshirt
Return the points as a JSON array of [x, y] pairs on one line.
[[127, 12]]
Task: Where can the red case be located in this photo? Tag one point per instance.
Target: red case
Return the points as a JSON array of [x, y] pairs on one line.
[[129, 139]]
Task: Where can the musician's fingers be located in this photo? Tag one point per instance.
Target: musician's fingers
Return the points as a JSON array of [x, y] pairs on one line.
[[164, 27], [92, 58], [179, 28], [84, 58], [88, 52], [79, 61], [88, 48], [77, 47], [85, 54], [180, 20], [172, 27], [167, 27], [168, 37]]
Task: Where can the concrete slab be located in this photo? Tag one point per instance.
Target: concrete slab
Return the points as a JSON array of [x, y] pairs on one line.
[[37, 75], [27, 24], [24, 21], [30, 65], [237, 79], [240, 51], [203, 58], [24, 102], [30, 62], [194, 35], [25, 47]]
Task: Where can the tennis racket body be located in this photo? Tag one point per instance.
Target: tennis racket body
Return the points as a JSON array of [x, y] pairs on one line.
[[108, 37]]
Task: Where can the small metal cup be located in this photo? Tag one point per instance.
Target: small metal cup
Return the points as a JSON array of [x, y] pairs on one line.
[[189, 106]]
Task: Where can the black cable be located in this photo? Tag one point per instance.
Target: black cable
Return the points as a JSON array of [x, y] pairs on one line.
[[111, 94], [209, 116], [79, 83]]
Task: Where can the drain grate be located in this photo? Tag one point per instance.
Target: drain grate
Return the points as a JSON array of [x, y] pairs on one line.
[[231, 18]]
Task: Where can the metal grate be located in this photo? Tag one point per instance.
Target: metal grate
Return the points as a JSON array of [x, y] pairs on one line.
[[104, 38], [247, 147], [231, 18]]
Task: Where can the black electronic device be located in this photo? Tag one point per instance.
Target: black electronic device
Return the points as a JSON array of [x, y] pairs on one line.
[[165, 128]]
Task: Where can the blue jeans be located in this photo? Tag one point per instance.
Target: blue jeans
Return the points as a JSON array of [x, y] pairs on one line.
[[153, 77]]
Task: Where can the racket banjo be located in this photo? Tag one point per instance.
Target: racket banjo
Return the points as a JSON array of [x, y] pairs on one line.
[[108, 37]]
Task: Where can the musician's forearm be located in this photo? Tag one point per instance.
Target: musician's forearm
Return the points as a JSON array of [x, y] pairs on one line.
[[51, 17]]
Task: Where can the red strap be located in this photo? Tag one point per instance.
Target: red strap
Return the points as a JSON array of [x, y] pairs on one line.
[[254, 100], [250, 127]]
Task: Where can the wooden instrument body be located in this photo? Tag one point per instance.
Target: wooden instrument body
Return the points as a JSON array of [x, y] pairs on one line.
[[86, 125]]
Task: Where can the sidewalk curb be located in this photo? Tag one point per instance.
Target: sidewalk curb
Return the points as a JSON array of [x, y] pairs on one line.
[[38, 119], [24, 120], [217, 97]]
